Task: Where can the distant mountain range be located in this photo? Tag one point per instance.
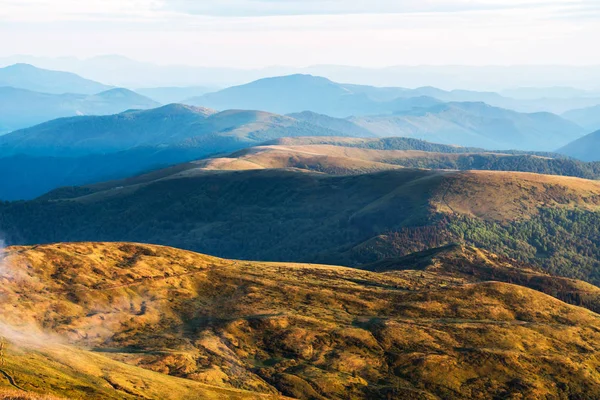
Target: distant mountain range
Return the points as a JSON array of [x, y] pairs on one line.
[[297, 93], [21, 108], [321, 95], [463, 124], [589, 118], [30, 96], [122, 71], [586, 148], [25, 76], [87, 149], [552, 92], [169, 95], [117, 126], [476, 124], [172, 125]]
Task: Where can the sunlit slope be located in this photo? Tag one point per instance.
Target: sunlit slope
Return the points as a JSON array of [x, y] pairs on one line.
[[308, 331], [353, 156], [71, 373]]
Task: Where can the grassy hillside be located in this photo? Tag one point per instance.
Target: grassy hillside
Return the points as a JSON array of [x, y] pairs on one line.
[[338, 158], [307, 331], [47, 370], [276, 215]]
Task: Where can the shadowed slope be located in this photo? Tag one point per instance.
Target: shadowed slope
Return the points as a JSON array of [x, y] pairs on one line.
[[278, 215]]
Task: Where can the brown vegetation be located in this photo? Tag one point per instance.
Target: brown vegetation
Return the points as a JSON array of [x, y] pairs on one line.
[[307, 331]]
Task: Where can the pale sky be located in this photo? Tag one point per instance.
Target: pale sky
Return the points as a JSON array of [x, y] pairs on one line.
[[257, 33]]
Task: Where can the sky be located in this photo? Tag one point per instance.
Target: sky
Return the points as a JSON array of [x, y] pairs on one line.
[[259, 33]]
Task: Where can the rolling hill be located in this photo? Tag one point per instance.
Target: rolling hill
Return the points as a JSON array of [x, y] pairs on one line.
[[172, 125], [165, 323], [27, 177], [302, 92], [585, 148], [28, 77], [343, 156], [21, 108], [298, 215], [88, 149]]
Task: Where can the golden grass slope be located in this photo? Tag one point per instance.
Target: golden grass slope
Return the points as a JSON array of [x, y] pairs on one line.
[[306, 331], [495, 195], [73, 373], [491, 195]]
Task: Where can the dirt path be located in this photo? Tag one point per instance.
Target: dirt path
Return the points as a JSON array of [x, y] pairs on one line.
[[446, 190]]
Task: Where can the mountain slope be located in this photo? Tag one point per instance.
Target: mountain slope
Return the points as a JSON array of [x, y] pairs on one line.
[[476, 124], [42, 363], [585, 149], [169, 125], [25, 76], [335, 124], [589, 118], [20, 108], [308, 331], [352, 220], [474, 265]]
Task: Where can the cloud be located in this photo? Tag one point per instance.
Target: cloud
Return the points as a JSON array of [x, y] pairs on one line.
[[176, 11], [258, 33], [76, 10], [244, 8]]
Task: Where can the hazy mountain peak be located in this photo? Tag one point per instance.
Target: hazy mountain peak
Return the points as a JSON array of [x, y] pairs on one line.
[[20, 66], [27, 76], [180, 109], [302, 92], [118, 93]]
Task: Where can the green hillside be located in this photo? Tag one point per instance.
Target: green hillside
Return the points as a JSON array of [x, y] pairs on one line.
[[270, 214]]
